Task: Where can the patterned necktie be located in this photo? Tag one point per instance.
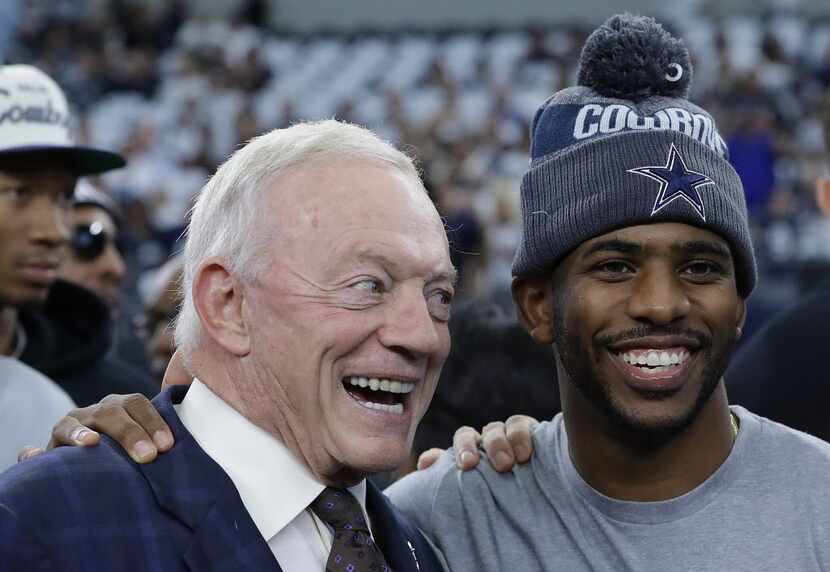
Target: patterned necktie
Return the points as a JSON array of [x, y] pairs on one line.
[[352, 549]]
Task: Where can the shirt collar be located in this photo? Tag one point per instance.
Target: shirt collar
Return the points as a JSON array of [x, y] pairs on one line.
[[274, 485]]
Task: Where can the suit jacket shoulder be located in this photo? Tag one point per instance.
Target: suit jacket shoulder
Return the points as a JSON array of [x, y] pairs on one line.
[[94, 509], [780, 373]]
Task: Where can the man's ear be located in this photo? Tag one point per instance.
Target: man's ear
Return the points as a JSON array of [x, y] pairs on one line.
[[535, 308], [823, 195], [741, 316], [218, 298]]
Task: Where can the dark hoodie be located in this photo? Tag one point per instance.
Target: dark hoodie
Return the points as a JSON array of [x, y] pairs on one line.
[[68, 339], [781, 372]]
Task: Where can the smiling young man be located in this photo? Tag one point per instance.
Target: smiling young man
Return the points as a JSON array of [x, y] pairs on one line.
[[635, 264], [317, 283]]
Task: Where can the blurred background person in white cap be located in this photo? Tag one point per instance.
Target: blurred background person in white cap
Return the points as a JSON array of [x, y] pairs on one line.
[[39, 165]]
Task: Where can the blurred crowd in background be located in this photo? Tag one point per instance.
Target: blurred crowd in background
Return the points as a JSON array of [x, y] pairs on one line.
[[177, 94]]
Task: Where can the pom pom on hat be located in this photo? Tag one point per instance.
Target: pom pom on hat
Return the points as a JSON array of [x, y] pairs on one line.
[[626, 147], [633, 57]]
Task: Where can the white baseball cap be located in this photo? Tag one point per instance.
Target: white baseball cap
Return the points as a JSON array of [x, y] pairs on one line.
[[35, 122]]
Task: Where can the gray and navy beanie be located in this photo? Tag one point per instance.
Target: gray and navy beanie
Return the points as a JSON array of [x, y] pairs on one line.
[[625, 147]]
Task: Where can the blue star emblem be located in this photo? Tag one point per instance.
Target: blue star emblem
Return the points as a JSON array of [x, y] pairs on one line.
[[676, 182]]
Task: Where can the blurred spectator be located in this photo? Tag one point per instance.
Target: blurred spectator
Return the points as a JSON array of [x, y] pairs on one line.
[[752, 153], [70, 338], [781, 373], [96, 262], [95, 258], [9, 14], [65, 330], [30, 404], [163, 298], [494, 370], [464, 233], [39, 164]]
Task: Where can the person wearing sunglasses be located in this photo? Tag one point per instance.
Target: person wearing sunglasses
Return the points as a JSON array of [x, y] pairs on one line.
[[96, 253]]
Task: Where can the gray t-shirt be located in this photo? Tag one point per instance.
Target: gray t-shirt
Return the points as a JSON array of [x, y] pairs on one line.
[[30, 404], [766, 508]]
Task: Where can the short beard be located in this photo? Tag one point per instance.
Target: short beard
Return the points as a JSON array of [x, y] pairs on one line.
[[637, 433]]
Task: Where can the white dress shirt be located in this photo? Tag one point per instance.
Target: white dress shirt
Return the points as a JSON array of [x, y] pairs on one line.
[[276, 488]]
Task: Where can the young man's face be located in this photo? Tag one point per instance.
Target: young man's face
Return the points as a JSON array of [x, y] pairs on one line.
[[643, 320], [34, 215]]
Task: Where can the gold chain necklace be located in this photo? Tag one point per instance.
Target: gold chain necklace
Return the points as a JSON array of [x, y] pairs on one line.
[[733, 419]]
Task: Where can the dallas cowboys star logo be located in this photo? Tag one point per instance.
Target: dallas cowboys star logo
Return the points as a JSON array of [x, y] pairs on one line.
[[676, 182]]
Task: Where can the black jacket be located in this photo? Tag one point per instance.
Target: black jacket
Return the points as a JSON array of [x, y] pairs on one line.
[[69, 338], [781, 372]]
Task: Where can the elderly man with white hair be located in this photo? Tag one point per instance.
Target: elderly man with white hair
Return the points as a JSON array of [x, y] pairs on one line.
[[317, 286]]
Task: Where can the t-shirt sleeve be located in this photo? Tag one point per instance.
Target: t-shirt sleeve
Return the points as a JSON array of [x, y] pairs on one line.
[[414, 495]]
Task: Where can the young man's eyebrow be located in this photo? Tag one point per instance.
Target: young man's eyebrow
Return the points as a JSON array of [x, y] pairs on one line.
[[704, 247], [613, 245]]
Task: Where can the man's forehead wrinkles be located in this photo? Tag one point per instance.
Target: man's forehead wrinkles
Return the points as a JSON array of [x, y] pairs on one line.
[[293, 277], [401, 257]]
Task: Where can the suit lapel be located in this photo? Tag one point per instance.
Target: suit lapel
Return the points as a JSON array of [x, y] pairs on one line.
[[192, 487], [390, 533], [228, 540]]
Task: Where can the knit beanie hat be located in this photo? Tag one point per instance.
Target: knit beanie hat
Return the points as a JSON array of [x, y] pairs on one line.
[[625, 147]]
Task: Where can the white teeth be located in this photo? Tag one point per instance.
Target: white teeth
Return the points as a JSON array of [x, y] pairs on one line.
[[375, 384], [396, 409], [655, 358]]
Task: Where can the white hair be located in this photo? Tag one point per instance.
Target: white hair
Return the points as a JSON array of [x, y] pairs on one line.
[[223, 221]]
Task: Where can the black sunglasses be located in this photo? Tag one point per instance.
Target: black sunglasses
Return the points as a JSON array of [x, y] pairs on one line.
[[90, 240]]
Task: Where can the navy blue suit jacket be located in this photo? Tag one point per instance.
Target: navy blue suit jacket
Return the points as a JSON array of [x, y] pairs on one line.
[[94, 509]]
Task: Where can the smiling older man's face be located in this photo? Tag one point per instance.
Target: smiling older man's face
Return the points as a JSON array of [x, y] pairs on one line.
[[349, 318]]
